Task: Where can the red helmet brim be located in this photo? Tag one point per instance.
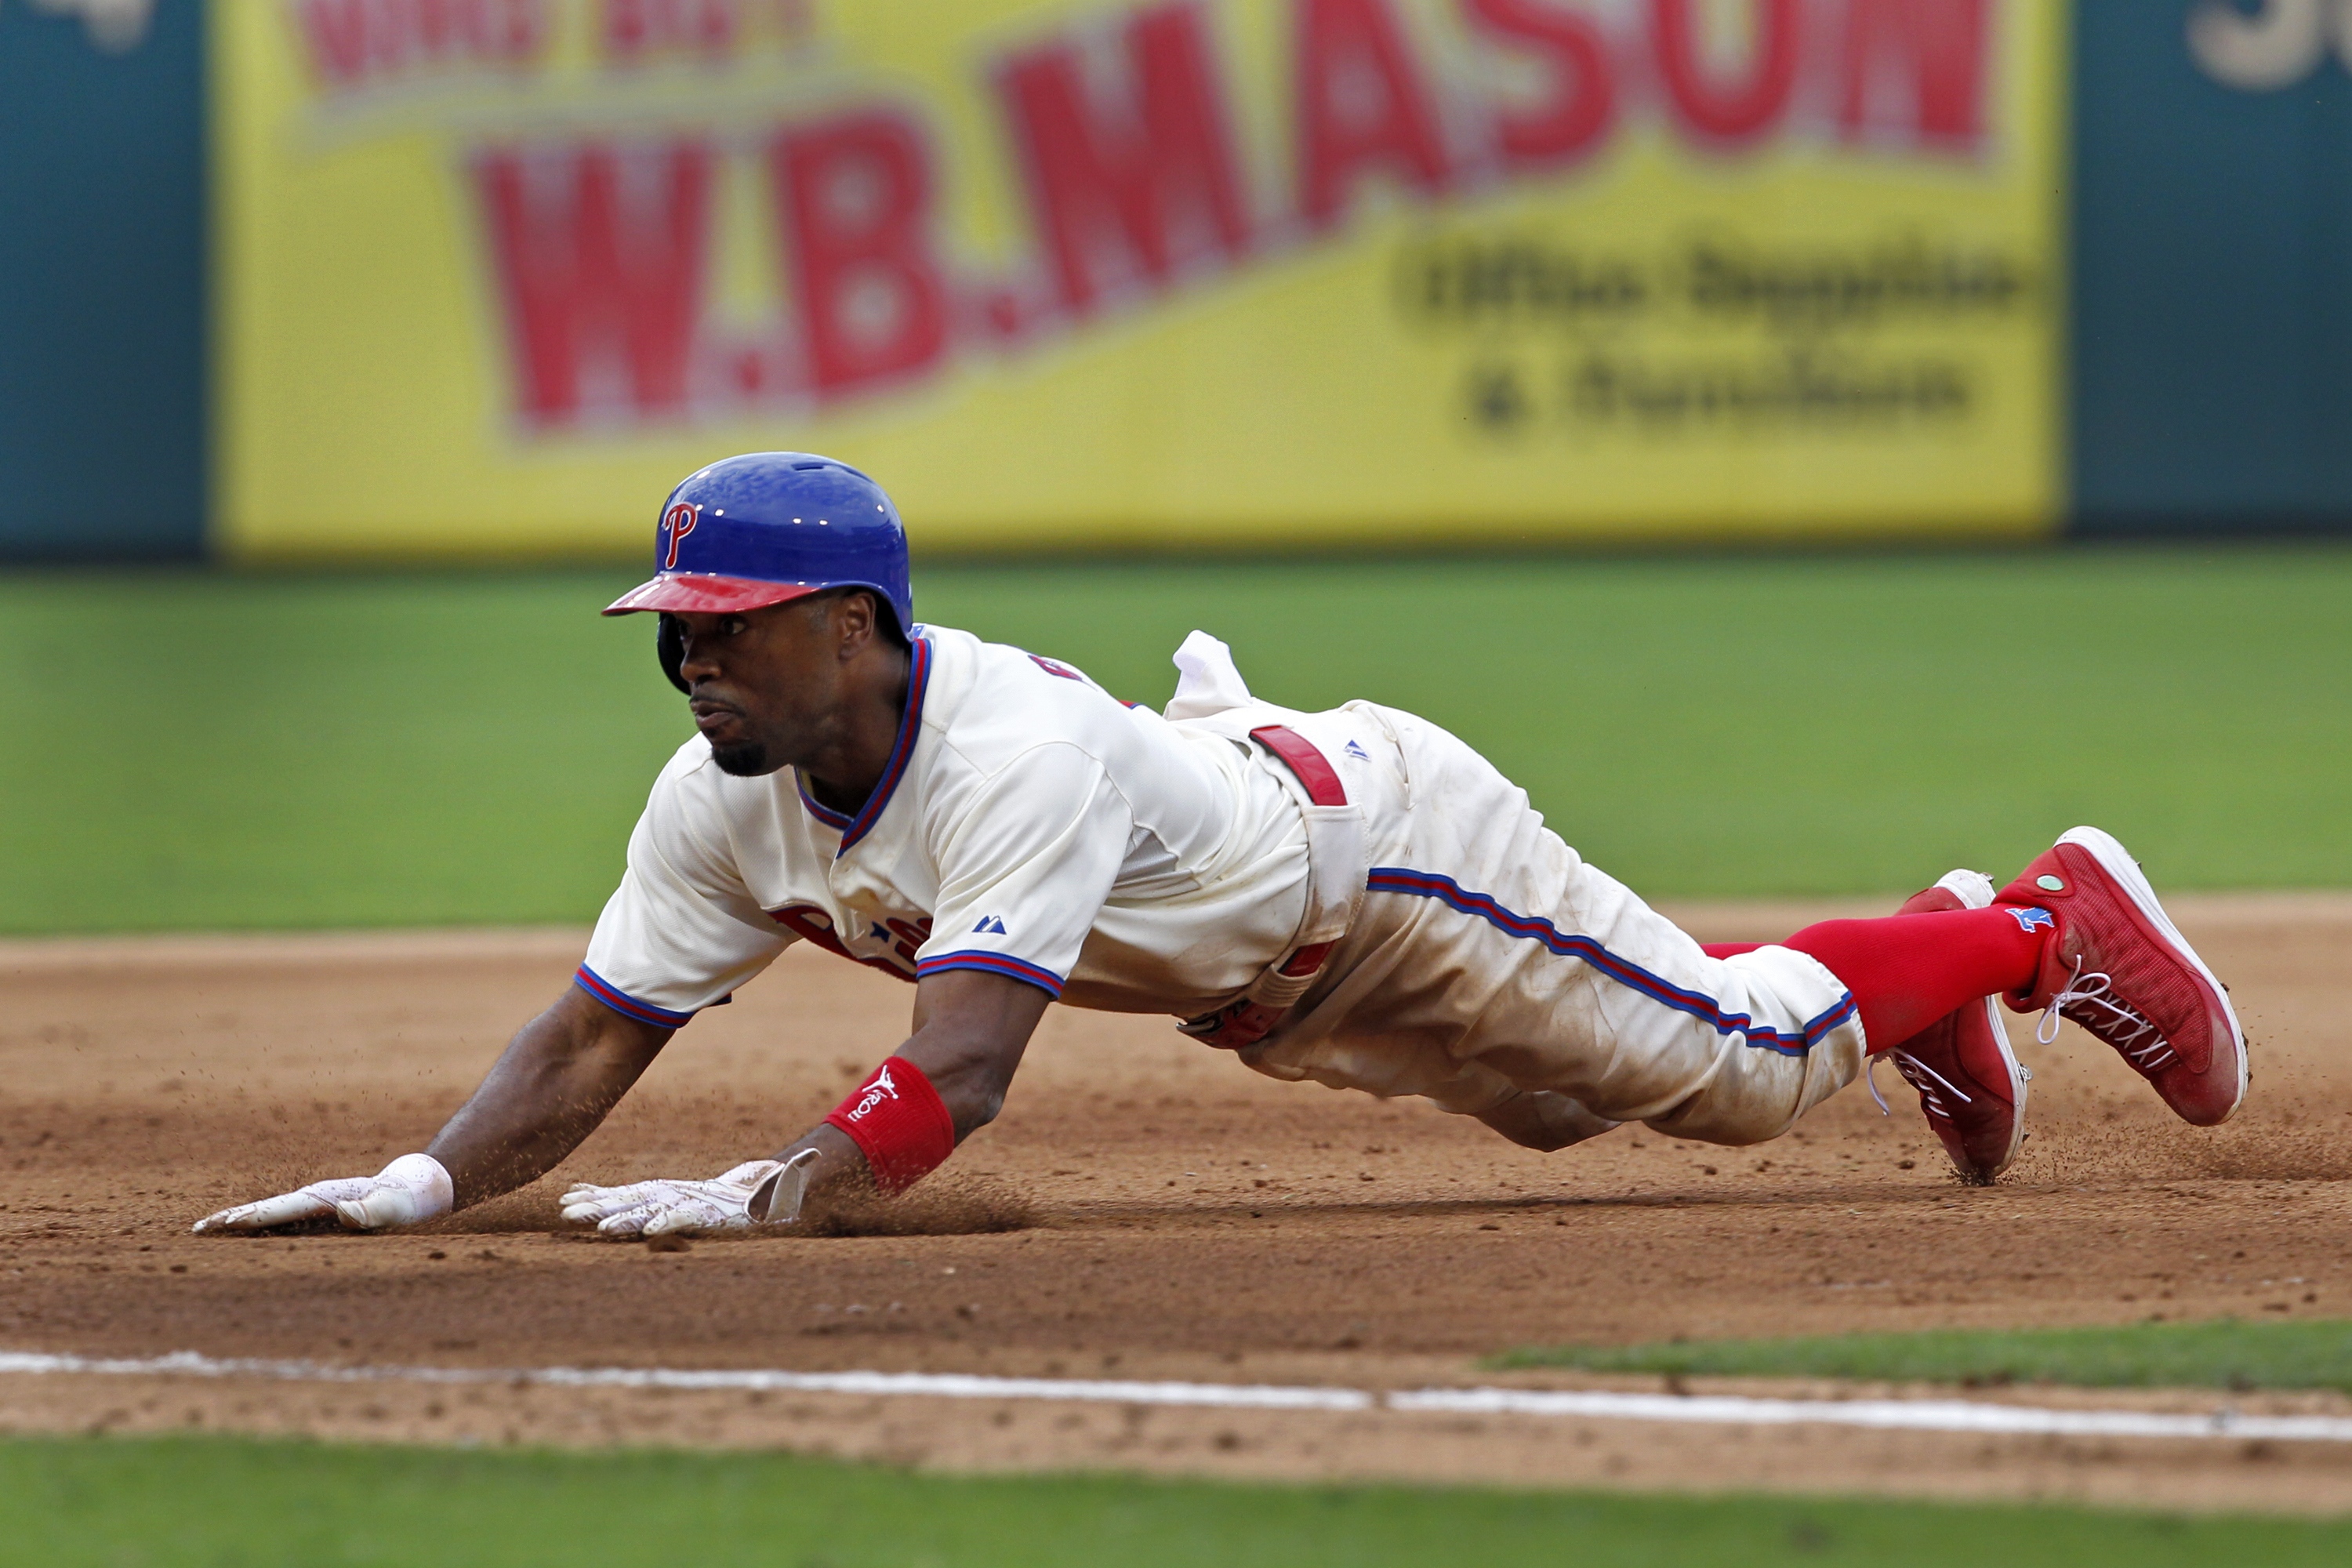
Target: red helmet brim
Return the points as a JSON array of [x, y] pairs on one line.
[[706, 593]]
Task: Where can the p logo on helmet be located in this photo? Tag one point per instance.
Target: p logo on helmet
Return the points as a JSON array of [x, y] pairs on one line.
[[676, 524]]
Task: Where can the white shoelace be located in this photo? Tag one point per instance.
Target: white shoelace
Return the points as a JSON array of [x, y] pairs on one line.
[[2138, 1040], [1914, 1072]]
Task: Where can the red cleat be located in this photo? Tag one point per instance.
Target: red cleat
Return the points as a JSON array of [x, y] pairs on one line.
[[2118, 967], [1971, 1087]]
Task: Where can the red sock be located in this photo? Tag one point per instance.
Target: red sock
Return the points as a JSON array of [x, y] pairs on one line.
[[1728, 949], [1908, 971]]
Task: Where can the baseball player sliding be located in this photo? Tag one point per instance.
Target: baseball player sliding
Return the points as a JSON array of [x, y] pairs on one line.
[[1353, 897]]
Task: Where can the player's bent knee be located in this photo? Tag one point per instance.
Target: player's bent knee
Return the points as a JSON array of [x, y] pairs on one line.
[[1729, 1126]]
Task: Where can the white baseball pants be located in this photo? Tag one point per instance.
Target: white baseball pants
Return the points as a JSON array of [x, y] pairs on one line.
[[1489, 957]]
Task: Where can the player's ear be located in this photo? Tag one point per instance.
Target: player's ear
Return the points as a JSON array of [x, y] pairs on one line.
[[670, 647], [855, 614]]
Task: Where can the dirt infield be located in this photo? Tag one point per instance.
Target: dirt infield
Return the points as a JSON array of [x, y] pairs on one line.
[[1145, 1208]]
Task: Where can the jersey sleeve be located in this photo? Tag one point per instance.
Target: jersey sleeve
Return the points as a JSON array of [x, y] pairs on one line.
[[682, 931], [1027, 868]]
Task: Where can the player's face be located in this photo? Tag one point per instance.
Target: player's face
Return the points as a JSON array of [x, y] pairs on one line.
[[770, 686]]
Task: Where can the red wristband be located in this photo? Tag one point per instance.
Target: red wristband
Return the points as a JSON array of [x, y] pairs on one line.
[[899, 1122]]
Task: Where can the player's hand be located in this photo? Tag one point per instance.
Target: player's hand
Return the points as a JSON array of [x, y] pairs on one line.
[[412, 1188], [657, 1208]]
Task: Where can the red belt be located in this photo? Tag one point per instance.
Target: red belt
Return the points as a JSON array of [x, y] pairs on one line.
[[1244, 1022]]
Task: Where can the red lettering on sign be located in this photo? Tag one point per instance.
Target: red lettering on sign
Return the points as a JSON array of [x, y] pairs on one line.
[[633, 29], [336, 32], [1928, 54], [600, 260], [1154, 168], [353, 41], [855, 196], [1360, 104], [1743, 109], [1135, 168], [1582, 105]]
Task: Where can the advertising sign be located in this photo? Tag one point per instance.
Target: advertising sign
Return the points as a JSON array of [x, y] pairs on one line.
[[496, 273]]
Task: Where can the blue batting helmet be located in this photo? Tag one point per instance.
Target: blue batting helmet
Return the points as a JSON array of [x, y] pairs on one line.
[[767, 527]]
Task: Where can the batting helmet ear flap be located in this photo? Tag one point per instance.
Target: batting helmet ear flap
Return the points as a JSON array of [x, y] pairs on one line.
[[669, 647]]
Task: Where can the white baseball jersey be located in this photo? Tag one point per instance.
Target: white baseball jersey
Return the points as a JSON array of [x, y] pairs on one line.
[[1030, 825], [1027, 824]]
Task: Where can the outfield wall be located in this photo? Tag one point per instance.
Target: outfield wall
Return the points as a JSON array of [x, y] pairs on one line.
[[2213, 324], [103, 433], [489, 275]]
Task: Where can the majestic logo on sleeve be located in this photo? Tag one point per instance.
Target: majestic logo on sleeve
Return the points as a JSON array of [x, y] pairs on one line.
[[990, 925], [676, 524]]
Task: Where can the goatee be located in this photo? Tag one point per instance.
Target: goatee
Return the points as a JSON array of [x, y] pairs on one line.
[[744, 759]]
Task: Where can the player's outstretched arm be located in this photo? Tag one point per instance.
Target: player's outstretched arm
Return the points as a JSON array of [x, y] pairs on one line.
[[971, 1029], [554, 1085], [556, 1081]]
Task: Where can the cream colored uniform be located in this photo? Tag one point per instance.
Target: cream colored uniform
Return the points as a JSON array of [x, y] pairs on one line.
[[1030, 825]]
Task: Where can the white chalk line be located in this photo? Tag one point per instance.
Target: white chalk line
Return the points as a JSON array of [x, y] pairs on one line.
[[1884, 1415], [1712, 1409], [934, 1385]]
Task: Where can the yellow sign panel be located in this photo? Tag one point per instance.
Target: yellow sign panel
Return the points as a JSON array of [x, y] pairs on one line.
[[496, 273]]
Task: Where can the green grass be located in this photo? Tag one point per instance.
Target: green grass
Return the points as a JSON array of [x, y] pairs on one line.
[[132, 1504], [2227, 1353], [195, 749]]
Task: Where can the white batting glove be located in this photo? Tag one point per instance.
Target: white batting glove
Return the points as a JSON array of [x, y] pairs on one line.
[[413, 1188], [657, 1208]]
